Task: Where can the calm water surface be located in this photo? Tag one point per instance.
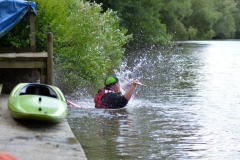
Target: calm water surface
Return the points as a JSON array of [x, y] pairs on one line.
[[190, 108]]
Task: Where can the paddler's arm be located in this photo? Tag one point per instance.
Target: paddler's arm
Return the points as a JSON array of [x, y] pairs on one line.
[[129, 93]]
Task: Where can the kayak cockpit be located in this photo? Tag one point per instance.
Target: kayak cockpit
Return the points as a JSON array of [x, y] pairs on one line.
[[38, 89]]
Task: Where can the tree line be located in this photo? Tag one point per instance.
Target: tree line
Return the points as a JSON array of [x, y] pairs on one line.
[[155, 21], [90, 38]]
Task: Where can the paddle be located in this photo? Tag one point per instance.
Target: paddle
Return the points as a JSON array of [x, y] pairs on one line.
[[130, 83], [139, 83], [73, 104]]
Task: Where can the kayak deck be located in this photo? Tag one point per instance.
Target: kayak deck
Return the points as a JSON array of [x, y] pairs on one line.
[[39, 102]]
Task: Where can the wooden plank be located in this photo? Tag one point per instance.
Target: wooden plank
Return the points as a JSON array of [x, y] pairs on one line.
[[22, 59], [17, 50], [37, 141], [29, 55], [23, 64]]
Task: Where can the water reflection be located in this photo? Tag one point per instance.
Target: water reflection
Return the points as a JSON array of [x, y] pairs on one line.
[[101, 130], [189, 109]]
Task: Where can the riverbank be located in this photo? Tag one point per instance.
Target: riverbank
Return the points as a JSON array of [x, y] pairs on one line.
[[31, 140]]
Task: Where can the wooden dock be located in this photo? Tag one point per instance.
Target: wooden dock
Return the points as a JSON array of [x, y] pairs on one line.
[[10, 58], [37, 141]]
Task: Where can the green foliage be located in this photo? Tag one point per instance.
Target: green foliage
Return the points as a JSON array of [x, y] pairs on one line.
[[141, 18], [51, 17], [225, 26], [192, 33], [87, 43], [153, 21], [148, 24], [203, 18], [19, 36], [236, 16], [172, 14]]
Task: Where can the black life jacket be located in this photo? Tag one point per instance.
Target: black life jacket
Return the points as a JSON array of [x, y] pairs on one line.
[[98, 98]]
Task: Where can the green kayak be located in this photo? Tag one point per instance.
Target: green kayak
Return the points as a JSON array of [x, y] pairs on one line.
[[40, 102]]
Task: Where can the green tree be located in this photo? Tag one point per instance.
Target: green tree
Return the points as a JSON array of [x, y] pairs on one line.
[[19, 36], [225, 26], [141, 18], [87, 43], [237, 20], [172, 14], [202, 19]]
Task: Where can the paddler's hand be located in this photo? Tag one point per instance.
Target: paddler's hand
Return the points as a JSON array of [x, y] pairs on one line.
[[135, 82], [129, 93], [130, 84]]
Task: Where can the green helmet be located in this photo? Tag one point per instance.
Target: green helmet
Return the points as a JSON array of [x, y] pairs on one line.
[[111, 80]]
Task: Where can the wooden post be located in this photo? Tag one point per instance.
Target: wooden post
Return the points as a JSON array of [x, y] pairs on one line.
[[32, 32], [50, 59], [1, 88], [43, 77]]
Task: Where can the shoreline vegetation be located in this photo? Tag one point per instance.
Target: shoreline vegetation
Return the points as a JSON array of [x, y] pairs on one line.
[[91, 37]]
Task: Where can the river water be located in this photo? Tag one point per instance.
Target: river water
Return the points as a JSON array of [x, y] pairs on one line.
[[190, 108]]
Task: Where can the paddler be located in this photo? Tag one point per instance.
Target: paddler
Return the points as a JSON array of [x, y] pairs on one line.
[[110, 96]]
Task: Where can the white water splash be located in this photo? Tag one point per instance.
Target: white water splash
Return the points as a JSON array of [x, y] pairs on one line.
[[126, 77]]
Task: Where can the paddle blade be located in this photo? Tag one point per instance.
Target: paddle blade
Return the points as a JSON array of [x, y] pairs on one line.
[[73, 104], [139, 83]]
